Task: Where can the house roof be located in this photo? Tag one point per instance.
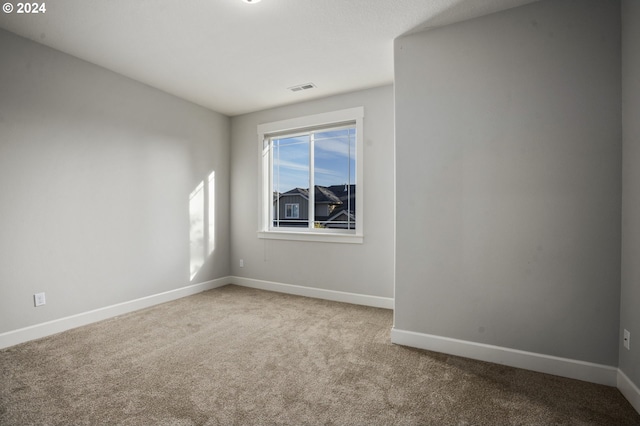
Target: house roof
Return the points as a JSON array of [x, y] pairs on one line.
[[296, 191], [343, 192], [347, 214], [323, 194]]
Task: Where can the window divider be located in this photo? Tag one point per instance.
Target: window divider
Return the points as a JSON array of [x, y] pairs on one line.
[[312, 187]]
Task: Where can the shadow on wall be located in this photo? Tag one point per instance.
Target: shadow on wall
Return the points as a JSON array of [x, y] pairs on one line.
[[461, 10], [202, 223]]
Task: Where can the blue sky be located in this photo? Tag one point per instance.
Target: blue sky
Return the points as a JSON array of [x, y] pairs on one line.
[[334, 160]]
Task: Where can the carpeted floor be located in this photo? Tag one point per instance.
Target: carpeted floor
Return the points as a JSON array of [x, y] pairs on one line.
[[241, 356]]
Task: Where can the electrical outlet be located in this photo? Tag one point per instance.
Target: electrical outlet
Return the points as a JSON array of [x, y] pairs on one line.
[[627, 339], [242, 263], [39, 299]]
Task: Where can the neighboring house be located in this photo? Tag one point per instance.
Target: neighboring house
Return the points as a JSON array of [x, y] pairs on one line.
[[334, 206]]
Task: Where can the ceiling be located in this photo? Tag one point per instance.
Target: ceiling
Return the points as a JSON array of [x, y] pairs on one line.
[[234, 57]]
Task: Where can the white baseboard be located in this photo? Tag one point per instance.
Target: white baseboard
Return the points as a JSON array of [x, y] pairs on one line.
[[317, 293], [629, 390], [37, 331], [565, 367]]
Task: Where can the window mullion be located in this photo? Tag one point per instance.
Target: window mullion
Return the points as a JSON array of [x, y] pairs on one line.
[[267, 184], [275, 213], [312, 188]]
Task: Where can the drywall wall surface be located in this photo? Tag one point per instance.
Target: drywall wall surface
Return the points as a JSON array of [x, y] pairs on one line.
[[355, 268], [630, 294], [508, 153], [96, 172]]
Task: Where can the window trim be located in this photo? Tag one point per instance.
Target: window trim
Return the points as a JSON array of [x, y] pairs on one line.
[[310, 122]]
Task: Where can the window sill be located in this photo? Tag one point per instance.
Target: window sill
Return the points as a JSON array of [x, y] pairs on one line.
[[310, 236]]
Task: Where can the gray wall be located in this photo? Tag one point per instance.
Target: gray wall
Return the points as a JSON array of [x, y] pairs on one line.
[[630, 298], [508, 152], [95, 176], [356, 268]]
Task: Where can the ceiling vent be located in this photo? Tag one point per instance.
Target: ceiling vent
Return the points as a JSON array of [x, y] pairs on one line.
[[302, 87]]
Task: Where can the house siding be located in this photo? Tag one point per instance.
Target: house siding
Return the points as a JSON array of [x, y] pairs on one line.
[[293, 199]]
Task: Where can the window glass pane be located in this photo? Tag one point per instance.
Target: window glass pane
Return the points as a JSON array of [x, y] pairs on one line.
[[292, 211], [290, 176], [334, 178]]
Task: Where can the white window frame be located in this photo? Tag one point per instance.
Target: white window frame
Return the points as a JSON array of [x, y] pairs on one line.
[[333, 118]]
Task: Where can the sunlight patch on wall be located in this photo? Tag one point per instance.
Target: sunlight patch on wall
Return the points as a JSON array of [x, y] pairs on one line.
[[212, 211], [202, 223]]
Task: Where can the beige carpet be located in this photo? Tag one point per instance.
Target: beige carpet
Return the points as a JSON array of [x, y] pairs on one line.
[[240, 356]]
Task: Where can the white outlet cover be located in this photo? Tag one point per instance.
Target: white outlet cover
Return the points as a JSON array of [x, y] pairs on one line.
[[627, 339], [39, 299]]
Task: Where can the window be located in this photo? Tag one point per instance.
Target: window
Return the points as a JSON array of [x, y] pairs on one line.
[[312, 185], [292, 211]]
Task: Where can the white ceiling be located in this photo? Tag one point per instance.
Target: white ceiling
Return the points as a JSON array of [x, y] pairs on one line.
[[235, 57]]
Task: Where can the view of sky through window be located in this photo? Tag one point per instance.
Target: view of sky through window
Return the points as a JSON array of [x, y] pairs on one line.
[[334, 160]]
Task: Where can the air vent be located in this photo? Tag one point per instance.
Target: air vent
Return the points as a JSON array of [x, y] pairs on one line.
[[302, 87]]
